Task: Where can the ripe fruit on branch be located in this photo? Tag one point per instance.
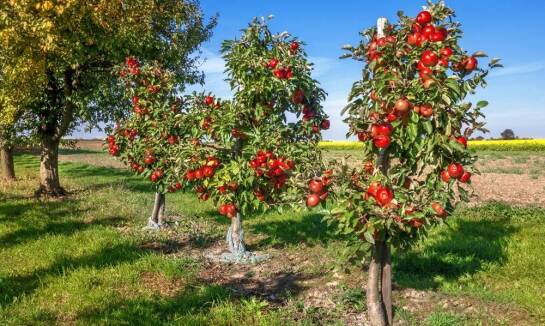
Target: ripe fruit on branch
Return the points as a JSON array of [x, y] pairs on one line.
[[298, 96], [426, 110], [149, 159], [445, 176], [172, 139], [283, 73], [423, 18], [313, 200], [439, 35], [416, 39], [362, 136], [268, 165], [428, 32], [416, 223], [445, 52], [429, 58], [402, 105], [384, 196], [208, 171], [228, 210], [272, 63], [455, 170], [384, 129], [316, 186], [325, 124], [391, 117], [425, 74], [462, 141], [373, 189], [156, 175], [209, 100], [294, 46], [466, 177], [381, 141], [439, 210], [258, 193], [470, 64], [427, 83]]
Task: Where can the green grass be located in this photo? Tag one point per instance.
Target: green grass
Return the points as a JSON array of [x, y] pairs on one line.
[[85, 260], [492, 252]]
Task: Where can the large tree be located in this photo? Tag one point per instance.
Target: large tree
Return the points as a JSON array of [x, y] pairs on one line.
[[76, 44], [410, 111]]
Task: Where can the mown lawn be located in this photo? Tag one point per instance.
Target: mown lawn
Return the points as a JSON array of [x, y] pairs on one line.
[[85, 260]]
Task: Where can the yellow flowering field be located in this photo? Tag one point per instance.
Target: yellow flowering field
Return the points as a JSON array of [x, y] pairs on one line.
[[494, 145]]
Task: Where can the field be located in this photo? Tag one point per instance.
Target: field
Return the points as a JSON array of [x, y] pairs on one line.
[[85, 259], [478, 145]]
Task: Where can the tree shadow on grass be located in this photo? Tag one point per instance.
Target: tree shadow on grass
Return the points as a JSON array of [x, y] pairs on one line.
[[194, 303], [309, 229], [158, 310], [34, 220], [276, 288], [13, 287], [104, 177], [450, 254]]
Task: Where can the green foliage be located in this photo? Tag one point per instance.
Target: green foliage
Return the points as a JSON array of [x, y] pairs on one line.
[[265, 152], [70, 48], [154, 141], [408, 111]]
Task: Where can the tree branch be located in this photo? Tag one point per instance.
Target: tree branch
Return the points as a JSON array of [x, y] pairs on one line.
[[68, 107]]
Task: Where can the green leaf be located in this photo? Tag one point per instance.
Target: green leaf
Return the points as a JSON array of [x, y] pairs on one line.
[[479, 54], [482, 104], [428, 127], [369, 237], [446, 99]]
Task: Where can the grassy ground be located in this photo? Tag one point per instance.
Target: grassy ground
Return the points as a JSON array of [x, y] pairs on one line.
[[85, 260]]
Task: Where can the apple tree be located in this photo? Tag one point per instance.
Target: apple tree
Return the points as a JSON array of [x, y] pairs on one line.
[[258, 148], [409, 111], [153, 139]]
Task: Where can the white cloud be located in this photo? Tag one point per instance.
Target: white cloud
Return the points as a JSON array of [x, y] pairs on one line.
[[322, 65], [519, 69], [212, 63]]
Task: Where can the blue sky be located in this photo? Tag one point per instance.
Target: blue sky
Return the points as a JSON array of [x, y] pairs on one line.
[[511, 30]]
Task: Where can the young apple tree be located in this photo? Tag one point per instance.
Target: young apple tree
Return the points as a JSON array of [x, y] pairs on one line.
[[409, 111], [258, 148], [153, 140]]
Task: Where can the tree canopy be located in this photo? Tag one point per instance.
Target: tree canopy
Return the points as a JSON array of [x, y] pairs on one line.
[[70, 48]]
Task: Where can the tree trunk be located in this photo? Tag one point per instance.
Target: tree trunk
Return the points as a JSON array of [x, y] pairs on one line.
[[7, 168], [157, 218], [379, 283], [375, 308], [386, 283], [49, 168], [235, 237]]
